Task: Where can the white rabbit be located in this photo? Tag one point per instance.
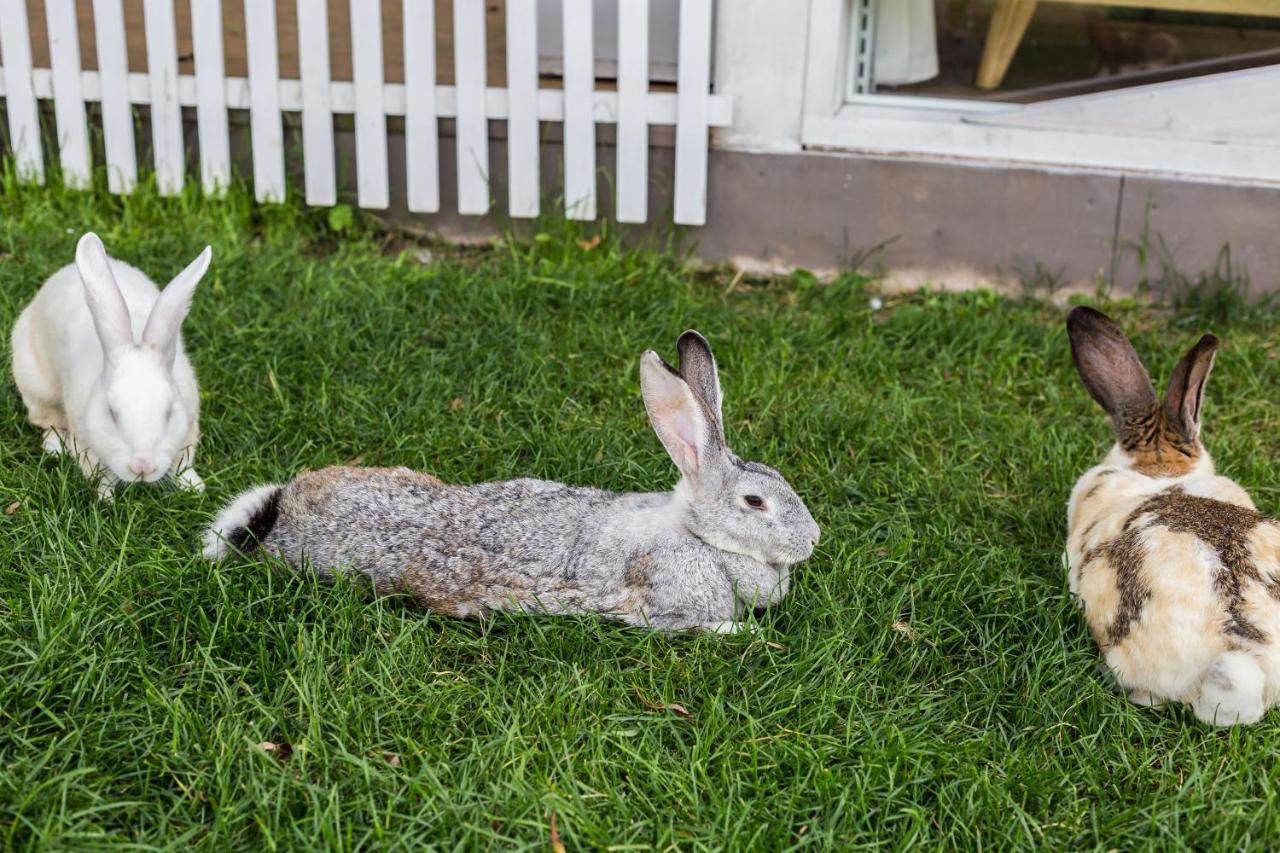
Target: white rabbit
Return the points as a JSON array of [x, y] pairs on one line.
[[98, 358]]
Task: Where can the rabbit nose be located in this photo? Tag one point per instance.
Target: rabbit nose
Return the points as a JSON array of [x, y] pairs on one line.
[[142, 467]]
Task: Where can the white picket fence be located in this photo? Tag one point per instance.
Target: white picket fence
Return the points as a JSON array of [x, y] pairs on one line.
[[579, 107]]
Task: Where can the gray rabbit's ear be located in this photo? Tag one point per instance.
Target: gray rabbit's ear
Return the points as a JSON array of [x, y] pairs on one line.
[[678, 417], [102, 295], [698, 369]]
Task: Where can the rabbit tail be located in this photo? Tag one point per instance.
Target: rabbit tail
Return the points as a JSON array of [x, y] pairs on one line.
[[243, 523], [1231, 693]]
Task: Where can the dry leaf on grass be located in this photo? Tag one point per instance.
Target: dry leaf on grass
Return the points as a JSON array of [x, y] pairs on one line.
[[679, 710], [282, 751], [456, 404], [389, 757], [906, 630], [557, 846], [588, 245], [12, 508]]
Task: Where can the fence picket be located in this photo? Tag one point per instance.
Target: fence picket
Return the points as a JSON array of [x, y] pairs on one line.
[[265, 124], [633, 126], [579, 121], [68, 100], [117, 112], [634, 108], [523, 187], [167, 143], [693, 79], [211, 95], [371, 120], [19, 95], [472, 122], [421, 127], [317, 109]]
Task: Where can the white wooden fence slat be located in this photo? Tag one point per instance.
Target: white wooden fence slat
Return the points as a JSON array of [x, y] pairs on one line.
[[472, 123], [371, 120], [117, 112], [523, 187], [693, 79], [421, 127], [579, 123], [265, 124], [660, 107], [317, 112], [68, 102], [211, 95], [20, 97], [167, 143], [633, 127]]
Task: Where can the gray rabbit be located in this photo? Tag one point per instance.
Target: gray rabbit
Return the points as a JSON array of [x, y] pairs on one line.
[[700, 556]]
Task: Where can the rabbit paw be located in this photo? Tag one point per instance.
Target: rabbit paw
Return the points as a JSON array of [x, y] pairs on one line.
[[1145, 699], [107, 489], [726, 627], [189, 480], [53, 443]]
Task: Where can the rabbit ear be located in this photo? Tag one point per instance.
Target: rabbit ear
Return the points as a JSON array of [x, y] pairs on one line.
[[102, 294], [1108, 365], [1186, 386], [677, 416], [161, 331], [698, 369]]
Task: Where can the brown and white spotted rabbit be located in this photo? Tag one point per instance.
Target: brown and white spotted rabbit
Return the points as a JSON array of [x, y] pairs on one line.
[[1178, 572]]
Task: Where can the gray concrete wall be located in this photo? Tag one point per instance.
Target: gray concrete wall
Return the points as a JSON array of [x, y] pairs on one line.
[[917, 222]]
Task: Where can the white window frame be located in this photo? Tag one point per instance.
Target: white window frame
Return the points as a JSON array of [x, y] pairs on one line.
[[1002, 133]]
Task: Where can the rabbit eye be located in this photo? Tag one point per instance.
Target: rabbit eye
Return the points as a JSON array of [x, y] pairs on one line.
[[754, 501]]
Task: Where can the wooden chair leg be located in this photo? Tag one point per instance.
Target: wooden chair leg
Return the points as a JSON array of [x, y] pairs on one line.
[[1009, 22]]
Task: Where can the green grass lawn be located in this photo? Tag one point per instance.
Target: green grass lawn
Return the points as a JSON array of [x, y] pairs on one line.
[[927, 682]]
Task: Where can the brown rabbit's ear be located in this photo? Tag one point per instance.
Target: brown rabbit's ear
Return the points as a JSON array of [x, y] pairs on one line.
[[1108, 365], [1186, 388]]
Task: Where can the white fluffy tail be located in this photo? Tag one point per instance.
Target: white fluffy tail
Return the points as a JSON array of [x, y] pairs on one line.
[[243, 522], [1231, 693]]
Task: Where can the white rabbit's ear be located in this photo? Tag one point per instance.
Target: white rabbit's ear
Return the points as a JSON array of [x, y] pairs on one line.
[[677, 416], [161, 331], [698, 369], [102, 294]]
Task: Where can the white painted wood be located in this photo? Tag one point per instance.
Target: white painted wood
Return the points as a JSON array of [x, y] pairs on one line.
[[861, 129], [760, 50], [20, 97], [826, 57], [633, 129], [472, 122], [265, 126], [579, 123], [317, 112], [523, 183], [211, 95], [1229, 108], [167, 145], [371, 120], [421, 128], [117, 112], [691, 122], [68, 104], [660, 106]]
